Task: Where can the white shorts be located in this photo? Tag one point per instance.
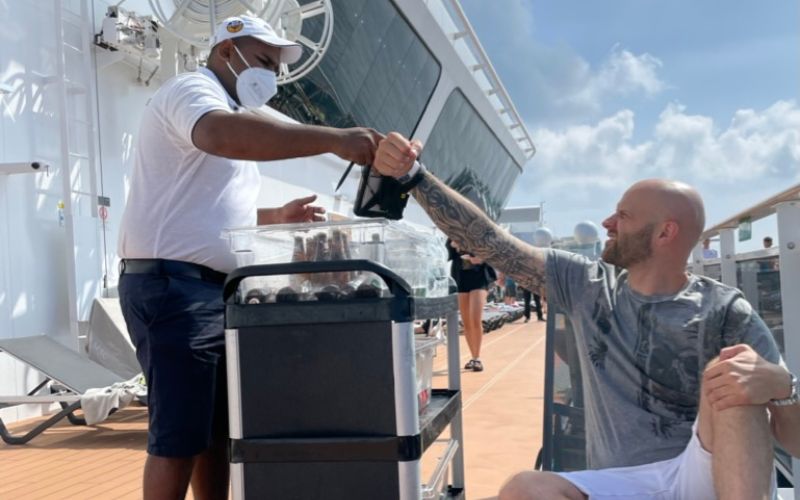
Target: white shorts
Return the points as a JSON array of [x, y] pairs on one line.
[[685, 477]]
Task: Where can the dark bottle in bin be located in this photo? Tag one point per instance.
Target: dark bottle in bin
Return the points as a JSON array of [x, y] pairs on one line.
[[329, 293], [257, 296], [287, 294], [337, 252], [320, 253], [347, 255], [368, 291], [299, 255]]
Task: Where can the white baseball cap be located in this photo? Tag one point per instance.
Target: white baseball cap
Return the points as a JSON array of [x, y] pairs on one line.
[[234, 27]]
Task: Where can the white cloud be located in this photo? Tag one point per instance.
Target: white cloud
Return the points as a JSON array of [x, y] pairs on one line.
[[553, 84], [587, 155], [756, 145], [623, 73], [586, 168]]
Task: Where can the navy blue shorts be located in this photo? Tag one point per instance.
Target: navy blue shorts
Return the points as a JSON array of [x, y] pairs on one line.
[[176, 324]]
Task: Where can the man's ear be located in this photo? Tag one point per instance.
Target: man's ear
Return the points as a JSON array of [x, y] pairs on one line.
[[225, 49], [668, 232]]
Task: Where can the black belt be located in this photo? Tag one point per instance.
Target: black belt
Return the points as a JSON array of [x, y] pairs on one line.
[[171, 268]]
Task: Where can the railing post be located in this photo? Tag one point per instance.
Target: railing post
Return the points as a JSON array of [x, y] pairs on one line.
[[789, 238], [727, 250], [696, 265]]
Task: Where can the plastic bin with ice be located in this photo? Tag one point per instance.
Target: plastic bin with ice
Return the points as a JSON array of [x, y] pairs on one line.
[[418, 256]]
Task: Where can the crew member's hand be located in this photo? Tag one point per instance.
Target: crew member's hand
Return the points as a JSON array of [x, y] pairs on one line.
[[357, 144], [742, 377], [302, 210], [396, 155]]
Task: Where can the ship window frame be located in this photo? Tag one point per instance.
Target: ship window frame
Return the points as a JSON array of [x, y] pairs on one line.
[[491, 130], [398, 12], [458, 90], [435, 59]]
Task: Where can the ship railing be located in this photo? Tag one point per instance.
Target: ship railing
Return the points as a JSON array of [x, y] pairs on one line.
[[769, 278], [454, 22]]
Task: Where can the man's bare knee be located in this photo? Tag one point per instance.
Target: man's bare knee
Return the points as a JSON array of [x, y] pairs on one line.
[[731, 418], [535, 485], [756, 411]]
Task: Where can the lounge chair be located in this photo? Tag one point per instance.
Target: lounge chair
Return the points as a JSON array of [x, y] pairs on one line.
[[108, 342], [68, 375]]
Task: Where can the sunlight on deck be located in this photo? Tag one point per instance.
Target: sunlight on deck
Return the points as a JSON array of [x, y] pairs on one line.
[[502, 431]]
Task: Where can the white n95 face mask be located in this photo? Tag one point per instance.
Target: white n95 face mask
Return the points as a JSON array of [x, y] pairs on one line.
[[254, 86]]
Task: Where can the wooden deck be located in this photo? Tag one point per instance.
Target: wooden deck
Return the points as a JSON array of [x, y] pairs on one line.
[[502, 431]]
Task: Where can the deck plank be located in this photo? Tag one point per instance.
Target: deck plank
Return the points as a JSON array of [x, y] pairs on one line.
[[502, 427]]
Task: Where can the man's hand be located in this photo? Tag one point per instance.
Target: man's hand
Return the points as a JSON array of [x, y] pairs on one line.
[[742, 377], [396, 155], [357, 144], [301, 210], [468, 228]]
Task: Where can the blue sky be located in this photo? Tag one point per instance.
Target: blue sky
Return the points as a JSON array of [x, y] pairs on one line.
[[614, 91]]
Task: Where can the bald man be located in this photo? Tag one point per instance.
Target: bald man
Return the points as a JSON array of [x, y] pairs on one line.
[[648, 338]]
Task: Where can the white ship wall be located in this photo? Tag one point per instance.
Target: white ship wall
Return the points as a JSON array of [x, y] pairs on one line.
[[31, 240], [51, 270], [33, 245]]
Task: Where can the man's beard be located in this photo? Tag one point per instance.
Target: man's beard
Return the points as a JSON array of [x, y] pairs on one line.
[[628, 250]]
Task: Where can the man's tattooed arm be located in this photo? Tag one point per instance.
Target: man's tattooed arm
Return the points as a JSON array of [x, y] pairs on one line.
[[474, 232]]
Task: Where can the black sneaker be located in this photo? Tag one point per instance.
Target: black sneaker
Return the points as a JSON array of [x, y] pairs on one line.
[[477, 366], [470, 365]]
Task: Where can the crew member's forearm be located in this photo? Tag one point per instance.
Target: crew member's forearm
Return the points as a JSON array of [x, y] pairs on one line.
[[268, 216], [785, 422], [475, 233], [242, 137]]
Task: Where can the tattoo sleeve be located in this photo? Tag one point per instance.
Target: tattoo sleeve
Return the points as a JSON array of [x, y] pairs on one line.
[[473, 231]]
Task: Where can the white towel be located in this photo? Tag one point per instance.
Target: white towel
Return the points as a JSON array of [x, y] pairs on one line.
[[97, 404]]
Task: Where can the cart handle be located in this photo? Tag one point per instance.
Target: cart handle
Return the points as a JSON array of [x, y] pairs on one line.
[[397, 285]]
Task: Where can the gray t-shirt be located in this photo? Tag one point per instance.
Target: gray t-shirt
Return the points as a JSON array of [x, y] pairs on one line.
[[642, 357]]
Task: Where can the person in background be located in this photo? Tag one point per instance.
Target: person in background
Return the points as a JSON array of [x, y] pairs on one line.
[[473, 278], [537, 300], [497, 290], [708, 252], [769, 263], [510, 292], [684, 386], [194, 174]]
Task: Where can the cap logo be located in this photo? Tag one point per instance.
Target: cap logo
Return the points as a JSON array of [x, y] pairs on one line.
[[235, 26]]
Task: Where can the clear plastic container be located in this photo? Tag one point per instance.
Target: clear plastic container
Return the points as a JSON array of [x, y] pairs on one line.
[[425, 351], [419, 257]]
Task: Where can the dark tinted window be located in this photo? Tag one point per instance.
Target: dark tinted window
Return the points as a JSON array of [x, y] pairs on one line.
[[376, 72], [463, 152]]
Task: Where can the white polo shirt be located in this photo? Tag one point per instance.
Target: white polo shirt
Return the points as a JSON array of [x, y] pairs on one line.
[[181, 198]]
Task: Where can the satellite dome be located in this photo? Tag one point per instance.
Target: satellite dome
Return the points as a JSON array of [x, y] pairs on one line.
[[586, 232], [542, 237]]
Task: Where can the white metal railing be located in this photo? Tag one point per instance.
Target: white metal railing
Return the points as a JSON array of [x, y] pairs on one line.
[[786, 205], [454, 22]]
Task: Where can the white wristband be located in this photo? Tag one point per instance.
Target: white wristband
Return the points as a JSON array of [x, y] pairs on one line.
[[410, 174]]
